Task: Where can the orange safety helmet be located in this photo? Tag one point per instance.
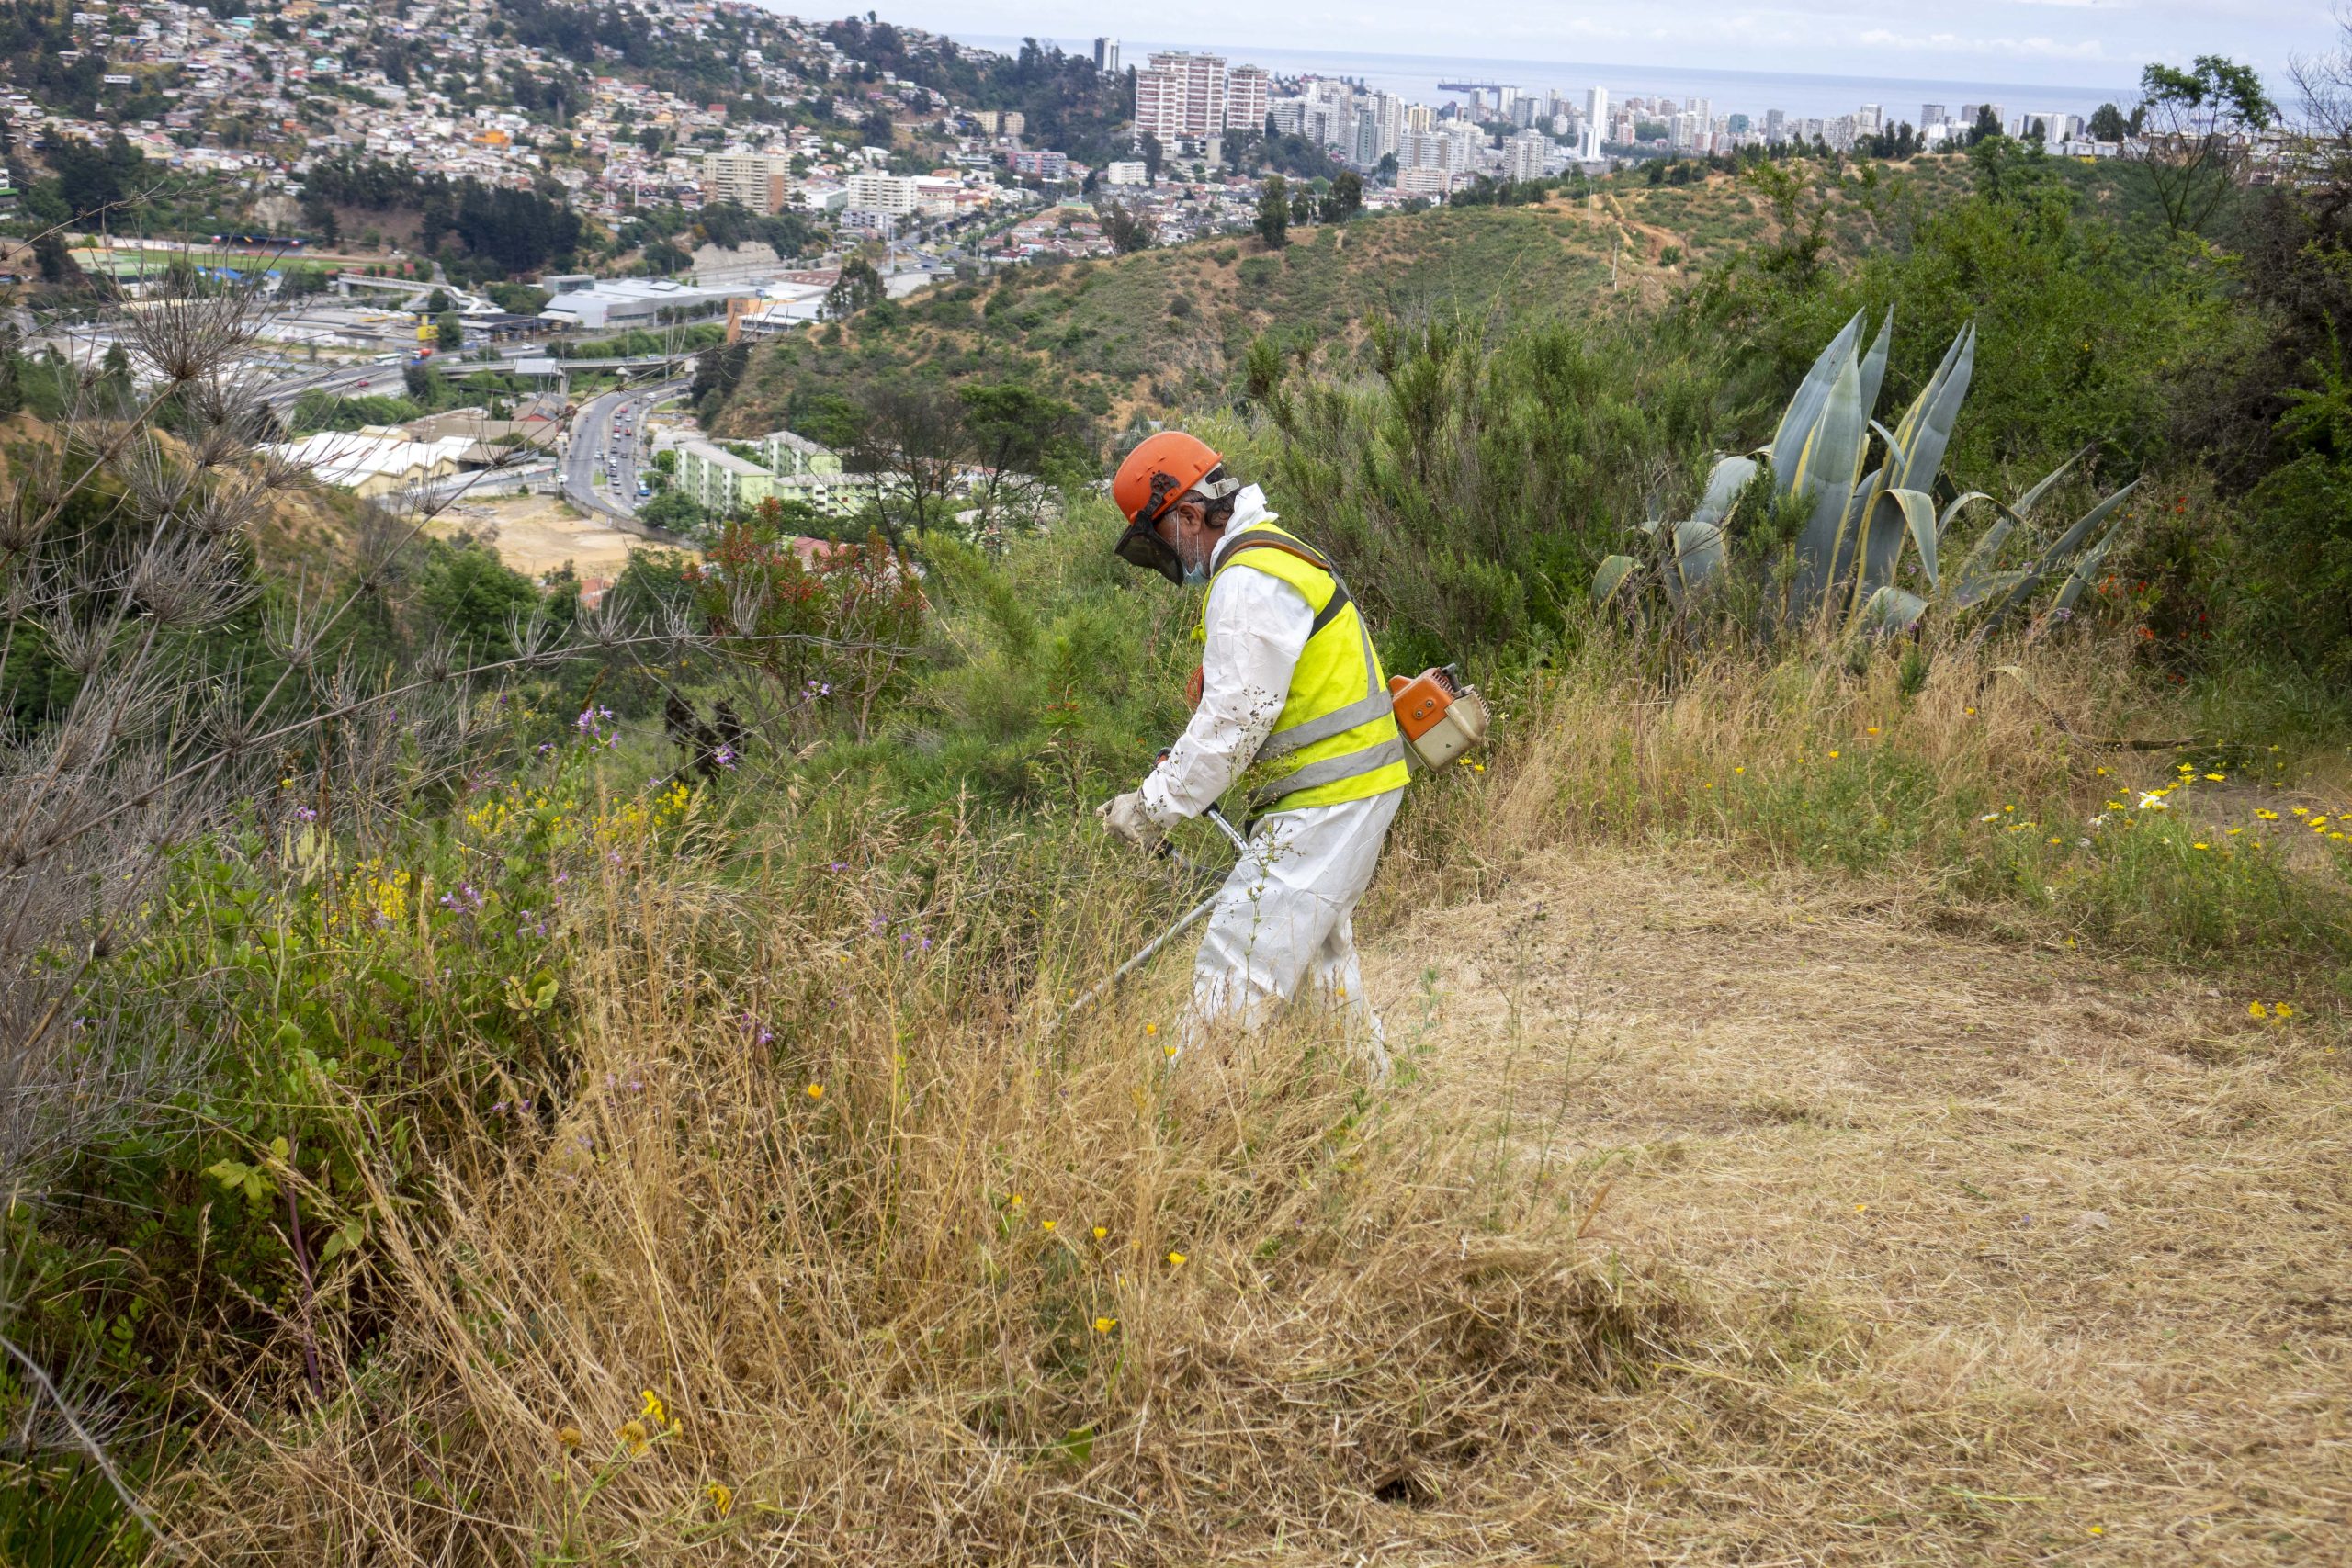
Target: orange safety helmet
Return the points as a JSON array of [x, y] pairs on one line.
[[1157, 474]]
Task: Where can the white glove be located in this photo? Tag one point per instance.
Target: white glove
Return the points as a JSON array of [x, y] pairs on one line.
[[1126, 819]]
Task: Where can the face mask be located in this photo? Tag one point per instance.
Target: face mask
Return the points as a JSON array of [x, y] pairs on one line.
[[1194, 576]]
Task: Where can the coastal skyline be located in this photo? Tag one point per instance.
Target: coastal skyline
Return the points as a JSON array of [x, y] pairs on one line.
[[1415, 78], [2064, 43]]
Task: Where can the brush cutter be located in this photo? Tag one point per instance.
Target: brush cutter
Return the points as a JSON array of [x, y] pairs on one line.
[[1185, 922]]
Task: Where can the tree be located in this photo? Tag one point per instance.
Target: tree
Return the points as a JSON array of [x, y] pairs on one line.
[[319, 213], [2199, 128], [12, 386], [1345, 198], [1987, 124], [1129, 228], [449, 332], [913, 446], [472, 599], [1273, 213], [1024, 440], [1153, 156], [859, 286], [2107, 124]]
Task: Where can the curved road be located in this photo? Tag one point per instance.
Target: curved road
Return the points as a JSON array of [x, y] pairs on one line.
[[594, 448]]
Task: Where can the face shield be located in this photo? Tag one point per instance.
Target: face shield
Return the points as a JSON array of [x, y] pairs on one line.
[[1141, 543]]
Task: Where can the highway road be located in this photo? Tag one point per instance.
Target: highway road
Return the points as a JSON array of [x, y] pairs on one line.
[[597, 446]]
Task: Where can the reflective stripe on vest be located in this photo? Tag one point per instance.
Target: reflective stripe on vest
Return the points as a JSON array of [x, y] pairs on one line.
[[1336, 738]]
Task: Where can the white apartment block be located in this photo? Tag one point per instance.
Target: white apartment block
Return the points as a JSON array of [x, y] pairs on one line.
[[1127, 172], [894, 195], [1596, 121], [1181, 97], [1245, 98], [760, 181], [1523, 154]]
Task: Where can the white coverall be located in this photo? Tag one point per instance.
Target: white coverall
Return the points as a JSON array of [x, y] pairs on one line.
[[1283, 915]]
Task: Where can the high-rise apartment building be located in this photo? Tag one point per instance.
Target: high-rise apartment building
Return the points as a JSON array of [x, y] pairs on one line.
[[1596, 121], [1245, 98], [1106, 56], [1180, 97], [1419, 117], [1776, 125], [1523, 154], [759, 181], [1386, 111], [1930, 115]]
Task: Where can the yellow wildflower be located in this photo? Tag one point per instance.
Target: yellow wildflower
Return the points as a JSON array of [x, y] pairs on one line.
[[1017, 1200], [1873, 729], [816, 1091], [2217, 778], [653, 1406], [1104, 1325], [568, 1437], [2255, 1009], [1101, 1231], [633, 1437], [722, 1496], [1833, 756], [1175, 1260], [1046, 1226], [2283, 1011], [1151, 1028]]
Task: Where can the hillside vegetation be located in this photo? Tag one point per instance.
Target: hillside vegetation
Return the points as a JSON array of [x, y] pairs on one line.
[[593, 1086]]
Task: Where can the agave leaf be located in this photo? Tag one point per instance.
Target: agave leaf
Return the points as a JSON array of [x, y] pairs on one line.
[[1877, 541], [1862, 555], [2080, 578], [1804, 413], [1723, 485], [1918, 511], [1926, 430], [1698, 551], [1960, 504], [1892, 609], [2023, 506], [1974, 591], [1611, 576], [2056, 556], [1827, 468], [1874, 364]]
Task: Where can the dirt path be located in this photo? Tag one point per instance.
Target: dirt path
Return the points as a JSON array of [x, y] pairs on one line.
[[1993, 1254]]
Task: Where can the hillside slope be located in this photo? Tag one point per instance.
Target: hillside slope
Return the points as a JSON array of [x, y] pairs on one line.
[[1165, 331], [1998, 1253]]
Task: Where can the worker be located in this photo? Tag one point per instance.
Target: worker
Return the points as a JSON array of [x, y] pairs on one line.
[[1288, 682]]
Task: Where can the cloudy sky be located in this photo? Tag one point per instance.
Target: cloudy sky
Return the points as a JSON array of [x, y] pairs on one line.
[[2074, 42]]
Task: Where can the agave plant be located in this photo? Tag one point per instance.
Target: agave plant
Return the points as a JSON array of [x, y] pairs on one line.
[[1858, 526]]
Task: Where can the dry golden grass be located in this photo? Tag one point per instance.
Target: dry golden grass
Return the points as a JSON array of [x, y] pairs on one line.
[[1723, 1212], [1994, 1255]]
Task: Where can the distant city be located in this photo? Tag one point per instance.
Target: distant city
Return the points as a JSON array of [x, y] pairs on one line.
[[1187, 100]]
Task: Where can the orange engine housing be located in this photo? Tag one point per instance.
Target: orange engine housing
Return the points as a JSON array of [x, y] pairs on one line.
[[1422, 701]]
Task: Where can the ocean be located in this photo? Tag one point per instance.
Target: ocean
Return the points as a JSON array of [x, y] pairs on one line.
[[1415, 78]]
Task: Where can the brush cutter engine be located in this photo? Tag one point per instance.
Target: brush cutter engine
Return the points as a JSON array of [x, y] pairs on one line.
[[1443, 715]]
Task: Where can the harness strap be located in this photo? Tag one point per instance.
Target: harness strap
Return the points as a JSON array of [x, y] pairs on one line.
[[1374, 703]]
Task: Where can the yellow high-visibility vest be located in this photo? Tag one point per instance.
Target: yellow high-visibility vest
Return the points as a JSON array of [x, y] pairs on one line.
[[1336, 738]]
